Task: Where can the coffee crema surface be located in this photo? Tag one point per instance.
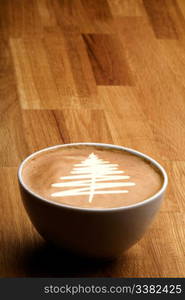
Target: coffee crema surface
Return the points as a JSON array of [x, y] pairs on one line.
[[91, 176]]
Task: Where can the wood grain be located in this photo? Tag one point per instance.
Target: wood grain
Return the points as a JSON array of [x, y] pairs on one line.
[[154, 69], [81, 125], [127, 8], [161, 20], [98, 9], [20, 18], [83, 16], [63, 72], [106, 54], [13, 147], [105, 71], [45, 134]]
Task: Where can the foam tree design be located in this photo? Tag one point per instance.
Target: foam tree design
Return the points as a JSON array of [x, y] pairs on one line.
[[93, 176]]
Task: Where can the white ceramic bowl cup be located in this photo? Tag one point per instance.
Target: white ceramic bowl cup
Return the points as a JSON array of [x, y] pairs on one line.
[[100, 233]]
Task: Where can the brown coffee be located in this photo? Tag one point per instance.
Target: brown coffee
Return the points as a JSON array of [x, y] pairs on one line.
[[91, 177]]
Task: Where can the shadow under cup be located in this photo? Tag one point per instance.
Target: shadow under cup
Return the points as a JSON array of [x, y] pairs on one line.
[[98, 233]]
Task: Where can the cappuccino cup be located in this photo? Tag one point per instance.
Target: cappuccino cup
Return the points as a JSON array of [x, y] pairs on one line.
[[96, 200]]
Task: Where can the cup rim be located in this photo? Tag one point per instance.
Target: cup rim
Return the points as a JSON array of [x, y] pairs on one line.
[[97, 210]]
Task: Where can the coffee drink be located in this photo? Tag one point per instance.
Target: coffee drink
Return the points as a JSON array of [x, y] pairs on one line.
[[91, 176]]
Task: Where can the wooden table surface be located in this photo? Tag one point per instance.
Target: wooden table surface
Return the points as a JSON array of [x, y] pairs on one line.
[[110, 71]]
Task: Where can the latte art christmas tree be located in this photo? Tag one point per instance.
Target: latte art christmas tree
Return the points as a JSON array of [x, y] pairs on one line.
[[91, 177]]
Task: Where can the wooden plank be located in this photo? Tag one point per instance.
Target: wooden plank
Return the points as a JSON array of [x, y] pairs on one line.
[[84, 125], [31, 22], [173, 203], [72, 14], [153, 70], [99, 16], [12, 147], [39, 91], [162, 23], [176, 14], [46, 14], [80, 16], [4, 20], [20, 18], [121, 100], [107, 58], [176, 192], [82, 72], [97, 9], [127, 8], [41, 129], [28, 94], [181, 5], [53, 77], [135, 134]]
